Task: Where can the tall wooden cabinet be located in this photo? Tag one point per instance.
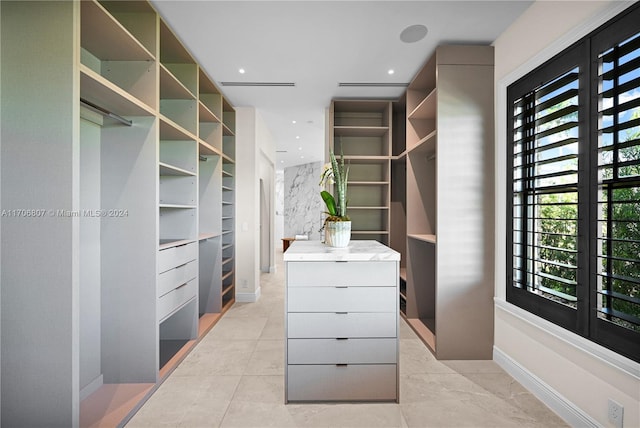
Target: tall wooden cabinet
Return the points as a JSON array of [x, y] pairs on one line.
[[449, 188], [117, 178]]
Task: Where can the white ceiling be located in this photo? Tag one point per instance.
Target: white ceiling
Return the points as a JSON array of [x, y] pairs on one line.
[[316, 44]]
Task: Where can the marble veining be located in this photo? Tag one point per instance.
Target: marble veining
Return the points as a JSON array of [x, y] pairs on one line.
[[356, 251], [303, 206]]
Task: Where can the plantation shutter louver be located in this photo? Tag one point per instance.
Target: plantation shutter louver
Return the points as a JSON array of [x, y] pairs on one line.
[[617, 235]]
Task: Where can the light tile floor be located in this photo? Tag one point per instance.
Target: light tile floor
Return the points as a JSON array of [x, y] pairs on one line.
[[235, 378]]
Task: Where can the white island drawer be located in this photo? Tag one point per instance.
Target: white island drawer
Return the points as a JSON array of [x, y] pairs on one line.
[[371, 274], [176, 256], [175, 299], [376, 382], [342, 351], [173, 278], [333, 325], [342, 299]]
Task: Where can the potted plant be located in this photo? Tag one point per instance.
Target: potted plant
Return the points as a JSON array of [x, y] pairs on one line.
[[337, 225]]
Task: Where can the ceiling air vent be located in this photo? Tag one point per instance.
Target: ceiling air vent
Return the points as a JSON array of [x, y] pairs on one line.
[[372, 85], [257, 83]]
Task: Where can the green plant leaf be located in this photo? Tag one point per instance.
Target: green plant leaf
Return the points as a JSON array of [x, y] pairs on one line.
[[329, 201]]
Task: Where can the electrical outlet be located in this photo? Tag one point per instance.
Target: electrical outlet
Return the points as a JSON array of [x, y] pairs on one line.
[[615, 413]]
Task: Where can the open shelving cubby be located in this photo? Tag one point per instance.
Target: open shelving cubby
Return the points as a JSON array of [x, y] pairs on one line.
[[360, 130], [210, 202], [228, 204]]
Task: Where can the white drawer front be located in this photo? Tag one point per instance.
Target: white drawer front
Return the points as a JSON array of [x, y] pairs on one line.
[[173, 278], [332, 325], [177, 256], [173, 300], [368, 274], [332, 383], [342, 351], [349, 299]]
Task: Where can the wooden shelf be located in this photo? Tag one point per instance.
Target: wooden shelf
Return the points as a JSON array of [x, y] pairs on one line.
[[207, 149], [100, 91], [206, 115], [426, 109], [369, 208], [171, 50], [169, 130], [205, 236], [424, 237], [426, 334], [164, 244], [177, 206], [112, 404], [171, 87], [106, 38], [426, 146], [360, 131], [368, 183], [166, 169]]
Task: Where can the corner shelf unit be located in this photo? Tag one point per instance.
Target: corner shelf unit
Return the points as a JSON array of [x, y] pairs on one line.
[[361, 131], [153, 272], [449, 130]]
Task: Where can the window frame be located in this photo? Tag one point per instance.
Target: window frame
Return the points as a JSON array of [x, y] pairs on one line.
[[582, 320]]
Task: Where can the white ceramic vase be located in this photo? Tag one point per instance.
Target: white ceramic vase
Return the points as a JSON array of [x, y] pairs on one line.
[[337, 233]]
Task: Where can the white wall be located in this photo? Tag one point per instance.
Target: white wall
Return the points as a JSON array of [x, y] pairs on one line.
[[572, 375], [255, 155]]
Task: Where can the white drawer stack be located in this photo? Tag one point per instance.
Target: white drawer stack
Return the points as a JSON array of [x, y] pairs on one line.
[[341, 330], [177, 279]]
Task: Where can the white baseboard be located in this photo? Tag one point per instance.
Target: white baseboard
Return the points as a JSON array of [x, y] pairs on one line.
[[92, 387], [248, 297], [568, 411]]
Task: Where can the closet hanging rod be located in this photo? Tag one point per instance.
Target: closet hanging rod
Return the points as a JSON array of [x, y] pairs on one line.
[[105, 112]]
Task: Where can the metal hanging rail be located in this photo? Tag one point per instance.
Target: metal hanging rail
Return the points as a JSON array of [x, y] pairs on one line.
[[105, 112]]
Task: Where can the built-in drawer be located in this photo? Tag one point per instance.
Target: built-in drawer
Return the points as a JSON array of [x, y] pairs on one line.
[[354, 274], [176, 256], [175, 299], [346, 382], [333, 325], [345, 351], [342, 299], [175, 277]]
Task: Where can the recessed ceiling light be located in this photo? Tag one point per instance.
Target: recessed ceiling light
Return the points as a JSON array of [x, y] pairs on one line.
[[299, 148], [413, 33], [297, 137], [293, 121], [301, 157], [241, 71], [391, 71]]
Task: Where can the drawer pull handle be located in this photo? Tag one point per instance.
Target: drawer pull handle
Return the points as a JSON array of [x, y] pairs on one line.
[[180, 286], [342, 365], [342, 338], [342, 261], [342, 286], [342, 313]]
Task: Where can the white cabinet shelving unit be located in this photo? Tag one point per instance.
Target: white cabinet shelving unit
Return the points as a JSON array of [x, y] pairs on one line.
[[126, 147], [341, 322]]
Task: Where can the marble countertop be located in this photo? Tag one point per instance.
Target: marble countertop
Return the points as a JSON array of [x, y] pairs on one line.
[[316, 251]]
